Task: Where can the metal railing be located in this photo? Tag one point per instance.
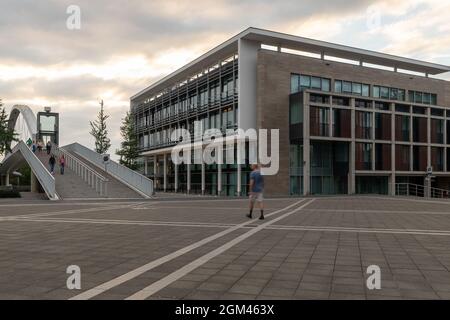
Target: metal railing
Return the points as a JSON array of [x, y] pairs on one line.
[[133, 179], [95, 180], [44, 177], [416, 190]]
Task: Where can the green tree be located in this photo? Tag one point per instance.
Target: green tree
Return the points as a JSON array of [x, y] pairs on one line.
[[128, 151], [6, 135], [99, 131]]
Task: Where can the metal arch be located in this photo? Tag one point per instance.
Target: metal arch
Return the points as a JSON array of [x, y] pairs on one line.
[[28, 115]]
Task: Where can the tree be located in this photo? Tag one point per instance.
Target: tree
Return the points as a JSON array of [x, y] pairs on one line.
[[99, 131], [128, 151], [6, 135]]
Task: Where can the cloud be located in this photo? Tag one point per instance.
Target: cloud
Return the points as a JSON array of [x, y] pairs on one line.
[[124, 46]]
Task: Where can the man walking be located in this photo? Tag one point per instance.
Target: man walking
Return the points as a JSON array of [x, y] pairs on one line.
[[62, 163], [52, 162], [256, 190], [49, 147]]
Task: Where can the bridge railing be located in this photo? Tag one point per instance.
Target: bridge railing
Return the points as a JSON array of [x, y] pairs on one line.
[[45, 178], [133, 179], [90, 176], [416, 190]]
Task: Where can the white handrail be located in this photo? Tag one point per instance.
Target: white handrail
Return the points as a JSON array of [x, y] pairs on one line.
[[133, 179], [94, 179], [411, 189], [44, 177]]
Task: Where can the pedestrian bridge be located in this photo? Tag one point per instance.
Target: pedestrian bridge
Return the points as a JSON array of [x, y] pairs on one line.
[[86, 175]]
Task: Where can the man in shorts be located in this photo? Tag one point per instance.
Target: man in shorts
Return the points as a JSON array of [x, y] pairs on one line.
[[256, 190]]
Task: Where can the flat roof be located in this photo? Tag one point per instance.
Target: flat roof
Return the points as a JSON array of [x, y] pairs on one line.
[[283, 40]]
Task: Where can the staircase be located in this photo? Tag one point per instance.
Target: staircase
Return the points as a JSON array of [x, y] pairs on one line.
[[68, 185], [84, 180], [116, 189]]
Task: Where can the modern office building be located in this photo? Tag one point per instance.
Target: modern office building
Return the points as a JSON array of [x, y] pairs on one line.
[[350, 120]]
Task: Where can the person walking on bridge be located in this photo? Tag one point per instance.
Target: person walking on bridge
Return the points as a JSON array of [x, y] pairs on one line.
[[52, 162], [256, 190], [48, 147], [62, 163]]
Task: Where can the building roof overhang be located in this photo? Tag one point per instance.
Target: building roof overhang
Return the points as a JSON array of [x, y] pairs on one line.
[[283, 40]]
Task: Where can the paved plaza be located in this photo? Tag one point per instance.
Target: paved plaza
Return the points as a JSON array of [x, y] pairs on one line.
[[196, 248]]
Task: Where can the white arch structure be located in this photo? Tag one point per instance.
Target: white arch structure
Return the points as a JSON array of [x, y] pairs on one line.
[[28, 115]]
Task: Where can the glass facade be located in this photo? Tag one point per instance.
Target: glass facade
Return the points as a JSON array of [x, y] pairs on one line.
[[303, 82], [210, 98]]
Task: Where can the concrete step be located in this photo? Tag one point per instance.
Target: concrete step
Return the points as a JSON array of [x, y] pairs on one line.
[[69, 185], [115, 188]]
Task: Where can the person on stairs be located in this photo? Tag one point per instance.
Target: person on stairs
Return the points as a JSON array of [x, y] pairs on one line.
[[52, 162], [48, 147], [62, 163]]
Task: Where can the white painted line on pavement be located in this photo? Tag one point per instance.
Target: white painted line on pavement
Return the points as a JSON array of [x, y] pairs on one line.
[[376, 211], [153, 264], [174, 276], [362, 230]]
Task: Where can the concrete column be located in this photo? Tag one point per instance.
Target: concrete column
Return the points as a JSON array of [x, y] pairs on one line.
[[219, 179], [428, 179], [34, 182], [428, 137], [188, 182], [7, 178], [445, 143], [411, 139], [330, 123], [352, 158], [392, 177], [373, 138], [145, 166], [238, 180], [155, 169], [203, 177], [176, 177], [165, 172], [306, 147]]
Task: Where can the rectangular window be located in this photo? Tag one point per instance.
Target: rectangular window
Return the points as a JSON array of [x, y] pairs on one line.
[[394, 94], [401, 94], [433, 98], [384, 93], [426, 98], [418, 97], [376, 91], [295, 79], [356, 88], [347, 87], [337, 86], [402, 108], [365, 90], [294, 113], [325, 84], [316, 83], [305, 82]]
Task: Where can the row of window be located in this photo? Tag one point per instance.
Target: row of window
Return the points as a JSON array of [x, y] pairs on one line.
[[303, 82], [355, 88], [224, 120], [320, 126], [422, 97], [389, 93], [202, 99]]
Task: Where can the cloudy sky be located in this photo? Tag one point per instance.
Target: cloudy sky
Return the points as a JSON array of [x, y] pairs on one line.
[[125, 45]]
